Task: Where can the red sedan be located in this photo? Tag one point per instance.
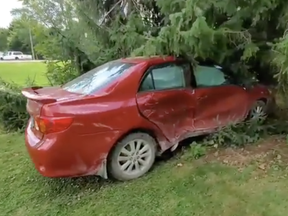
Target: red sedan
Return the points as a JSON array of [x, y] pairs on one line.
[[115, 119]]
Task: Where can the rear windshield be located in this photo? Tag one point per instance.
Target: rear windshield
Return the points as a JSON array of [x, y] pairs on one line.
[[97, 78]]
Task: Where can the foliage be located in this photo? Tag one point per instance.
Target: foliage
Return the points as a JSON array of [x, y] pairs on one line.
[[240, 134], [18, 38], [197, 150], [58, 73], [248, 37], [3, 39], [13, 114]]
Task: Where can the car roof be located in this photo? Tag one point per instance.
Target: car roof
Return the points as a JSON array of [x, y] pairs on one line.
[[148, 59]]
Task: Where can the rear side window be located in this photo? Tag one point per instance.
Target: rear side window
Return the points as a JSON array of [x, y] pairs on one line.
[[167, 77], [209, 76], [97, 78]]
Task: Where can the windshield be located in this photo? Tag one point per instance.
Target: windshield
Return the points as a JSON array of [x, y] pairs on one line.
[[97, 78]]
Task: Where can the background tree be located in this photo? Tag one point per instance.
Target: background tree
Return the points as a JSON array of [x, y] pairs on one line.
[[3, 39], [249, 37], [19, 36]]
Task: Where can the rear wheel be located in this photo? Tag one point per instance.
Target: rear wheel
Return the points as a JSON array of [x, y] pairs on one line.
[[258, 109], [132, 157], [16, 58]]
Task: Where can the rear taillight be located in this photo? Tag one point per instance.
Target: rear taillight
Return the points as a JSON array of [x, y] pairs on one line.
[[48, 125]]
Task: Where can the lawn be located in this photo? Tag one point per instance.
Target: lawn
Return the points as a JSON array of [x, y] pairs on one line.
[[20, 72], [231, 182]]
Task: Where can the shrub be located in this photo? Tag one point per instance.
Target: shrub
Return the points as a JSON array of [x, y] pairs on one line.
[[13, 114], [241, 134], [60, 72]]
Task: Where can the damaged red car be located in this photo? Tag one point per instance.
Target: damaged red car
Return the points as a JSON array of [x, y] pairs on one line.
[[115, 119]]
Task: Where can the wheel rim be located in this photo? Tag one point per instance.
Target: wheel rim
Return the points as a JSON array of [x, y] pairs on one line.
[[135, 157], [257, 111]]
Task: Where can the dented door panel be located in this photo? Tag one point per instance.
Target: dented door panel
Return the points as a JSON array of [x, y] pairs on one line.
[[219, 106], [172, 111]]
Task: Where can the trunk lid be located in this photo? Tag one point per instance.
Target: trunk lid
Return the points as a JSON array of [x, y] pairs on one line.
[[39, 96]]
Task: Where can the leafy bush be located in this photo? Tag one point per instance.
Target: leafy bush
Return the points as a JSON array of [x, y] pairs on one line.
[[13, 114], [197, 150], [241, 134], [60, 72]]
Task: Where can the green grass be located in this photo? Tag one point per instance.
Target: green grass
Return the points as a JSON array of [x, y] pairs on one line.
[[194, 188], [20, 72]]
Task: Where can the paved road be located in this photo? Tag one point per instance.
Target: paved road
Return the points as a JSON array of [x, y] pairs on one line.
[[20, 61]]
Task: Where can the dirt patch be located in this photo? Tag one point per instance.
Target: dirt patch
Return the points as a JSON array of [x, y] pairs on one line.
[[264, 154]]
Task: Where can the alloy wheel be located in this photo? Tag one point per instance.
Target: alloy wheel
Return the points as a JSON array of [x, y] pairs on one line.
[[135, 157]]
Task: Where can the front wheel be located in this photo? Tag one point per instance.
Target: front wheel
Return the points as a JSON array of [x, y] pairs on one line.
[[258, 110], [132, 157]]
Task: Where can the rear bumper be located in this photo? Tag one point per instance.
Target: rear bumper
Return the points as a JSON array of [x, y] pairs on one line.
[[63, 155]]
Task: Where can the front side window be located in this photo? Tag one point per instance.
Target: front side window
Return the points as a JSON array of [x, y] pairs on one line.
[[209, 76], [97, 78], [166, 77]]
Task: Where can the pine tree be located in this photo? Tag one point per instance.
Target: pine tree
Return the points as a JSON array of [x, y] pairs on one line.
[[248, 36]]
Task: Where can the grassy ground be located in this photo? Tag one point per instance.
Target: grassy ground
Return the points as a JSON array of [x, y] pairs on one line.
[[230, 182], [251, 181], [22, 71]]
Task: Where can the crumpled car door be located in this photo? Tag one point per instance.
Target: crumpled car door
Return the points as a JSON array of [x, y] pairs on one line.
[[172, 111]]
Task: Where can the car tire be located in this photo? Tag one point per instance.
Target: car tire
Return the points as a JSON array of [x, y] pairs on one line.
[[132, 157], [16, 58], [258, 109]]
